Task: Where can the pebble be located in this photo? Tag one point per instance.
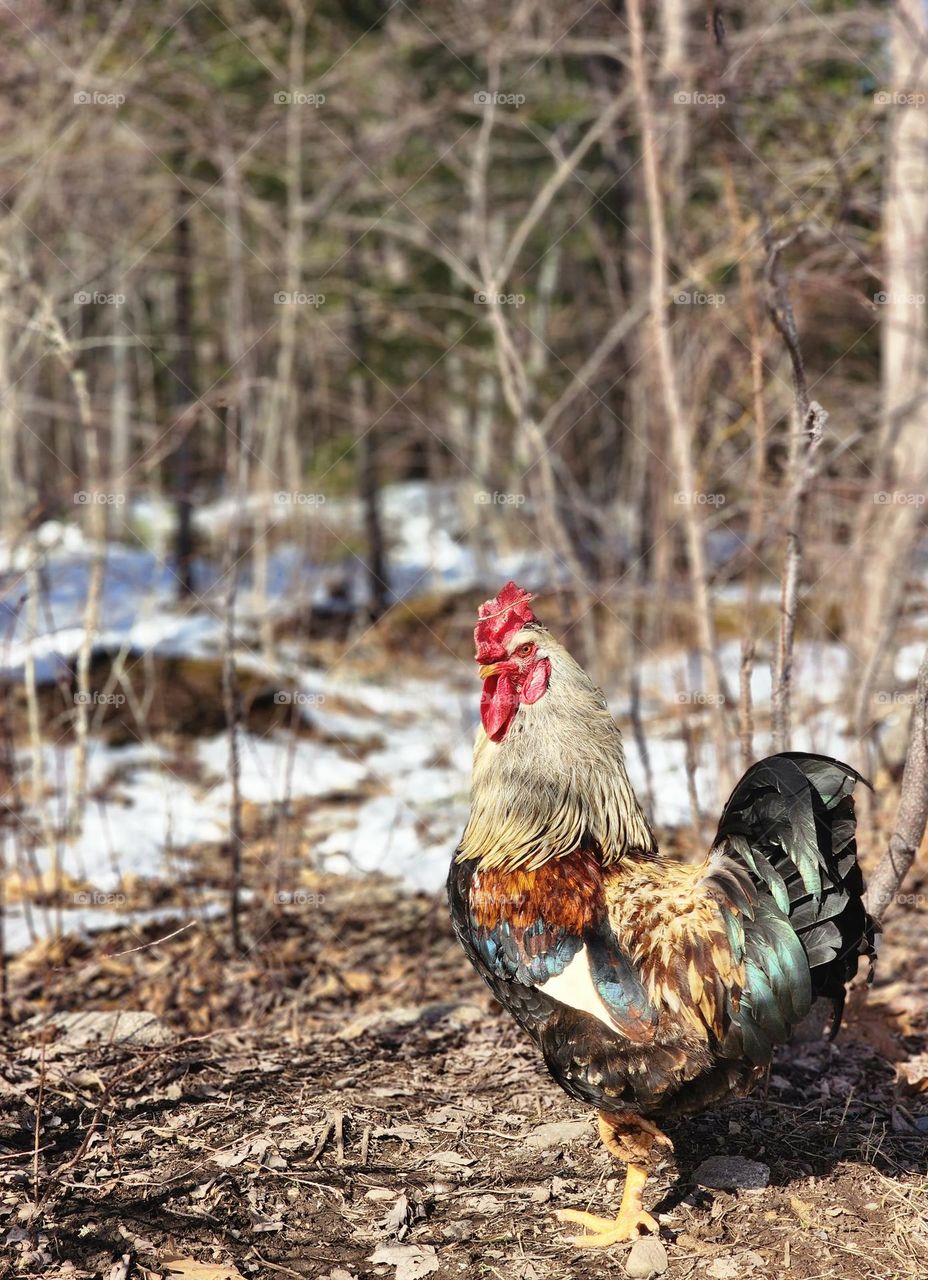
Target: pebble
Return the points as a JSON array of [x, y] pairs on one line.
[[732, 1173], [559, 1133], [647, 1257]]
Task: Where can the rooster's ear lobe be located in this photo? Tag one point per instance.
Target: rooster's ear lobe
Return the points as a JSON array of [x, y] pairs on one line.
[[537, 683]]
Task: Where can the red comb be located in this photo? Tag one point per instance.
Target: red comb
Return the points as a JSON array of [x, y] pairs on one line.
[[500, 619]]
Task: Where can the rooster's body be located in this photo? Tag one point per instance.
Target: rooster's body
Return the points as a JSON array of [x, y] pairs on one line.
[[652, 988]]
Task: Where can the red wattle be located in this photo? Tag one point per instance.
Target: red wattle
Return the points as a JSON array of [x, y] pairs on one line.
[[498, 704]]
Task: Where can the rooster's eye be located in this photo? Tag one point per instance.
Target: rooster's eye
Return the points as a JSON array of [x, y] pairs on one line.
[[524, 650]]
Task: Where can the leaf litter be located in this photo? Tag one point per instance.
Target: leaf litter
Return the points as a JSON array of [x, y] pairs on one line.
[[250, 1139]]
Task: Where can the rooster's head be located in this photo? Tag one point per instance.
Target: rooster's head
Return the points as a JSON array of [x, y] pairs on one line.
[[549, 770], [514, 666]]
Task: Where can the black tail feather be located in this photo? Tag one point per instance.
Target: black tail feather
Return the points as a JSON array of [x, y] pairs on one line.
[[790, 821]]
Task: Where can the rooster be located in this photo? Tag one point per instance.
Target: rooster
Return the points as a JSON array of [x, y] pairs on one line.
[[652, 988]]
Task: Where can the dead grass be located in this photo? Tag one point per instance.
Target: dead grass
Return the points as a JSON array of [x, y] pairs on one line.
[[347, 1086]]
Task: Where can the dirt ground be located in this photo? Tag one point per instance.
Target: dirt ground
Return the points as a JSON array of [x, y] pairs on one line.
[[346, 1100]]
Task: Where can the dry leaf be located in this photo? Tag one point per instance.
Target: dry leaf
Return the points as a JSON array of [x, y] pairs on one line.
[[450, 1159], [912, 1075], [412, 1261], [802, 1210], [190, 1269]]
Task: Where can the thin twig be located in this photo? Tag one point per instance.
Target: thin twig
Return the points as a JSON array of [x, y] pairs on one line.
[[746, 704], [37, 1133]]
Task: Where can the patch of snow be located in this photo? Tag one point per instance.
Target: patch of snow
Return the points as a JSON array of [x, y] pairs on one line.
[[392, 836], [20, 931], [276, 768], [156, 812], [426, 726], [908, 661]]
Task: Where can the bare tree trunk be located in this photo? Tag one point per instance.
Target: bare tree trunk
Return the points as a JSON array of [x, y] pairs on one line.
[[34, 723], [4, 983], [367, 436], [675, 65], [96, 500], [184, 376], [120, 442], [891, 530], [8, 486], [231, 695], [91, 620], [756, 514], [280, 426], [232, 705], [251, 431], [805, 438], [913, 809], [681, 431]]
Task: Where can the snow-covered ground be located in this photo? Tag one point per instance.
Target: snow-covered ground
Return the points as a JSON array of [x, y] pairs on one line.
[[408, 796]]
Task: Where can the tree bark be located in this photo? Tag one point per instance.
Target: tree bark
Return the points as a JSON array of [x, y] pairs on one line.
[[367, 437], [183, 367], [890, 531], [912, 815], [681, 431]]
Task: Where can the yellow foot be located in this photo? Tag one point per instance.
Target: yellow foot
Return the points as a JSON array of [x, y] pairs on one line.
[[602, 1232]]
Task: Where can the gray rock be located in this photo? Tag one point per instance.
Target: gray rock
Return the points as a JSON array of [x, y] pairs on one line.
[[732, 1173], [648, 1257], [109, 1026], [559, 1133], [412, 1017]]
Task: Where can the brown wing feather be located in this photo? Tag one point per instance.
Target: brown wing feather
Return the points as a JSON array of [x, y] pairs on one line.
[[681, 926]]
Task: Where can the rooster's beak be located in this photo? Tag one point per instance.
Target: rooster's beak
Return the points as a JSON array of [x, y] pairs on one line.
[[486, 672]]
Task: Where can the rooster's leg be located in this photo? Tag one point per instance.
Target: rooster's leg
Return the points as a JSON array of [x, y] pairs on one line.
[[631, 1138]]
